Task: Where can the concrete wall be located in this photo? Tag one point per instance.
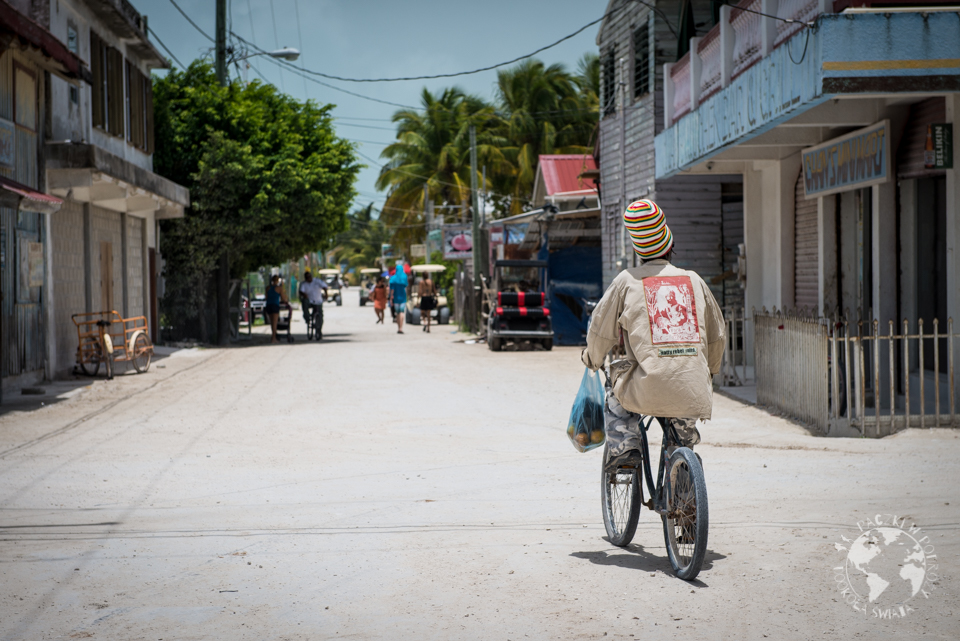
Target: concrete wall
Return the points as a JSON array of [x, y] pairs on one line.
[[69, 289]]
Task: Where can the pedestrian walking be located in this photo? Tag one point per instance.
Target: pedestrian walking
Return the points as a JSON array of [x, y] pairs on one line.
[[275, 295], [398, 295], [379, 298], [427, 292]]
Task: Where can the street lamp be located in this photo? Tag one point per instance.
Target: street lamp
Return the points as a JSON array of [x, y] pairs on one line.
[[286, 53]]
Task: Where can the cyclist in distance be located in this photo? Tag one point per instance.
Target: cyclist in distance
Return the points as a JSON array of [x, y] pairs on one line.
[[672, 334], [313, 291]]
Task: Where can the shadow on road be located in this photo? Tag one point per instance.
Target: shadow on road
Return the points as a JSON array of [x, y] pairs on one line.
[[636, 557]]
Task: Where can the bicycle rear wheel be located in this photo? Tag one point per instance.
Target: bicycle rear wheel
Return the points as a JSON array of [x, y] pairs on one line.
[[687, 521], [620, 500]]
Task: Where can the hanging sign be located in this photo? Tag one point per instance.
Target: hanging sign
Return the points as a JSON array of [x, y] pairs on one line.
[[858, 159], [418, 250], [457, 241], [938, 153]]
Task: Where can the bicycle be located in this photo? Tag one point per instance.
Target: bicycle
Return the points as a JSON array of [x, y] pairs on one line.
[[679, 497], [314, 318]]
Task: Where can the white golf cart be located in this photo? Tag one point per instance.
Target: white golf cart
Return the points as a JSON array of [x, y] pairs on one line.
[[440, 315], [332, 278], [368, 279]]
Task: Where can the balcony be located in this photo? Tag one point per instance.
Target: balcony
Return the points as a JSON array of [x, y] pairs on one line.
[[752, 72]]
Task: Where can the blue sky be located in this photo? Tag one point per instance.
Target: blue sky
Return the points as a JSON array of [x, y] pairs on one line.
[[375, 38]]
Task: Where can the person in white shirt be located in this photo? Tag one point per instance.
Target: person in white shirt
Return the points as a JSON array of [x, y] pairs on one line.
[[313, 291]]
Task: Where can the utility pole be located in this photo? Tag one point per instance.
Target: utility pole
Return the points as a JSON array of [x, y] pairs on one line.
[[475, 206], [223, 269], [221, 49]]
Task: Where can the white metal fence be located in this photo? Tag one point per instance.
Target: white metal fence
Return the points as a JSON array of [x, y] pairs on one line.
[[734, 371], [848, 378], [886, 382], [790, 352]]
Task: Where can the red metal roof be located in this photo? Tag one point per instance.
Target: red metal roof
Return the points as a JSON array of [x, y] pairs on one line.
[[561, 173], [29, 199]]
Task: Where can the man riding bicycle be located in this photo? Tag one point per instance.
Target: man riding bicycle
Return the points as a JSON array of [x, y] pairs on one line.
[[672, 334], [313, 291]]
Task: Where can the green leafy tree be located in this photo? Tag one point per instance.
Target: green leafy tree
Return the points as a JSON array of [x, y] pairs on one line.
[[269, 180], [545, 111]]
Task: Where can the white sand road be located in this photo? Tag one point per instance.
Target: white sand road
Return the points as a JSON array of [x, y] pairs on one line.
[[377, 486]]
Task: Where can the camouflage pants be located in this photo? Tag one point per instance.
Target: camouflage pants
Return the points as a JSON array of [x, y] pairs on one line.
[[623, 428]]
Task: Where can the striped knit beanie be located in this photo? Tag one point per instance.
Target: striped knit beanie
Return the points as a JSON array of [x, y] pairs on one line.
[[648, 229]]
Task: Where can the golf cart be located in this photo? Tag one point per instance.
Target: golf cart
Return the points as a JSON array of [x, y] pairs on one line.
[[332, 278], [368, 279], [518, 312], [441, 315]]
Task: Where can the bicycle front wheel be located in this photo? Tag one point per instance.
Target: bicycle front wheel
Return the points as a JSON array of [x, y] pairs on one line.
[[687, 520], [620, 499]]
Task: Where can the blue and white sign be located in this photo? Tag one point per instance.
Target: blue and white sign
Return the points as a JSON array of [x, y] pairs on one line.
[[855, 160]]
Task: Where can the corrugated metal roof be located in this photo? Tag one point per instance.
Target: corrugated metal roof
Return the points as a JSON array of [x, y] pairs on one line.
[[561, 173]]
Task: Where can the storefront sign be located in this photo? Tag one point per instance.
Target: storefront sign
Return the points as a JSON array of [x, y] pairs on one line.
[[418, 250], [858, 159], [938, 153], [457, 241]]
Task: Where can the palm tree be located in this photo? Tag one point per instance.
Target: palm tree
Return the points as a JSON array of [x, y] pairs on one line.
[[546, 111], [432, 150]]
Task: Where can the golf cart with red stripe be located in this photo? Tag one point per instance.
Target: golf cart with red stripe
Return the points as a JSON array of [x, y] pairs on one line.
[[519, 312]]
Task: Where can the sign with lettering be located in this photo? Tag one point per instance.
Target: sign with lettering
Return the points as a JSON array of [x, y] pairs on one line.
[[938, 153], [858, 159]]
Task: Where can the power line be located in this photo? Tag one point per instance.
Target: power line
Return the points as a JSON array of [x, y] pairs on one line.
[[195, 25], [350, 124], [458, 73], [297, 72], [165, 48]]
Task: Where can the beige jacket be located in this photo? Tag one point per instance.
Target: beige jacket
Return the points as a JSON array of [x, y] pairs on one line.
[[673, 333]]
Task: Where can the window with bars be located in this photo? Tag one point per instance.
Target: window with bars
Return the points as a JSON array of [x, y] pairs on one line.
[[641, 61], [106, 65], [139, 109], [608, 87]]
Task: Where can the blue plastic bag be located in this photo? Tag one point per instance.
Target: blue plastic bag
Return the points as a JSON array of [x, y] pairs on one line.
[[585, 427]]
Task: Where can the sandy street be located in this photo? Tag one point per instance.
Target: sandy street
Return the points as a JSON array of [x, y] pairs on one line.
[[377, 486]]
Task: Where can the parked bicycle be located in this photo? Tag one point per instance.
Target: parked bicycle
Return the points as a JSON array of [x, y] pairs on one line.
[[106, 338]]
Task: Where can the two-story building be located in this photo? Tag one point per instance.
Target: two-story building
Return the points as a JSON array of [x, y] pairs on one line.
[[840, 118], [704, 211], [92, 144]]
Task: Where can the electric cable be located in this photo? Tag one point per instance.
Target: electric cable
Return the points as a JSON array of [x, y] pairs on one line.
[[165, 47], [195, 25]]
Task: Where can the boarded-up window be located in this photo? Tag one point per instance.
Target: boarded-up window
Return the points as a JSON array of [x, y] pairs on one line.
[[106, 65], [806, 250], [139, 109]]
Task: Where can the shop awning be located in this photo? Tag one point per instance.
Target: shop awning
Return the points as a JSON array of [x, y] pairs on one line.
[[17, 196]]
